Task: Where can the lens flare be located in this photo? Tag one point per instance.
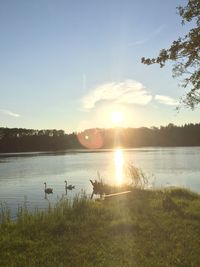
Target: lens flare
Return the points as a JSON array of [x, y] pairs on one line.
[[91, 138], [119, 165]]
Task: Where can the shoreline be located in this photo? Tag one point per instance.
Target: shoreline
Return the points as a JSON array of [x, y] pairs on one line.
[[74, 151], [143, 228]]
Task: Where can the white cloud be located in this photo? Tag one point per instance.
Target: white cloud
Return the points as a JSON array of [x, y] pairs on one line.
[[166, 100], [139, 42], [158, 30], [153, 34], [10, 113], [126, 92]]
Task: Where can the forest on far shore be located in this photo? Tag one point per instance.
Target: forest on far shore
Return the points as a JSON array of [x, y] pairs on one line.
[[30, 140]]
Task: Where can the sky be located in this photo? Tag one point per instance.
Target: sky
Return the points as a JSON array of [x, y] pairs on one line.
[[70, 64]]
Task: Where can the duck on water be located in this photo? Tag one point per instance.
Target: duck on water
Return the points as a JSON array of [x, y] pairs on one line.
[[47, 190], [69, 187]]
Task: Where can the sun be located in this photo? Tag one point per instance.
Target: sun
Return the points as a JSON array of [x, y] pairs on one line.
[[117, 117]]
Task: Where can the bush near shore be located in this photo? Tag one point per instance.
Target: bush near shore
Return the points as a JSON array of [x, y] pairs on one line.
[[142, 228]]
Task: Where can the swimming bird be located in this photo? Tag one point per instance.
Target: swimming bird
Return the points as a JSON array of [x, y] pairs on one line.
[[69, 187], [48, 190]]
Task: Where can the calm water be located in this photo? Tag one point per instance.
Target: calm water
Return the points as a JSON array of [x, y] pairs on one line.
[[22, 176]]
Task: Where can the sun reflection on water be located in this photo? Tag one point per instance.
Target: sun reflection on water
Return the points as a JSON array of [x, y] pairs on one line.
[[119, 165]]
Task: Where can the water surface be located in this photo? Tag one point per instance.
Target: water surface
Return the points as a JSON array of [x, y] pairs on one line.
[[22, 175]]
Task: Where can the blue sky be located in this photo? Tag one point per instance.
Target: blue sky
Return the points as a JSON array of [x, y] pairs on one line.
[[70, 64]]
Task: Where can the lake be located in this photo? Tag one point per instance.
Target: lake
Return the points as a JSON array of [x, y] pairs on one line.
[[22, 175]]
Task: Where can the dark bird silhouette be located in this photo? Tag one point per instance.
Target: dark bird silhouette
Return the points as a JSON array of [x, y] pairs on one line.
[[69, 187], [47, 190]]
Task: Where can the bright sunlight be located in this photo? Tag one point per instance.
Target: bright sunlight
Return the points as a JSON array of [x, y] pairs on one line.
[[119, 164], [117, 117]]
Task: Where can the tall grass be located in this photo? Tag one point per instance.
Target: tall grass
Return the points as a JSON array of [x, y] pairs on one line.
[[4, 213], [138, 229], [138, 178]]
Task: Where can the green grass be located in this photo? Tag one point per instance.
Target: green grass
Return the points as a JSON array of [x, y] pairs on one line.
[[144, 228]]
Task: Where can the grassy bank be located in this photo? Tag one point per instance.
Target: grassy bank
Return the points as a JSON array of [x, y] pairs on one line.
[[143, 228]]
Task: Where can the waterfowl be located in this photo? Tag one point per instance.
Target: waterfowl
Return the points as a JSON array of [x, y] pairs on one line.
[[47, 190], [69, 187]]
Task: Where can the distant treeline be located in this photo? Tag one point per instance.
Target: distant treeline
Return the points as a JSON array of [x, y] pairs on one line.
[[27, 140]]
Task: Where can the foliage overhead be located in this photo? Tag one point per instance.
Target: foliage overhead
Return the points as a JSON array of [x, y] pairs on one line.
[[185, 52]]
